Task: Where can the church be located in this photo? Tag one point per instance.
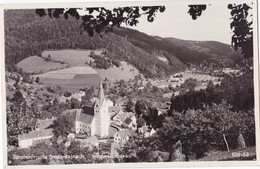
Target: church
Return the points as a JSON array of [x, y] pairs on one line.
[[94, 119]]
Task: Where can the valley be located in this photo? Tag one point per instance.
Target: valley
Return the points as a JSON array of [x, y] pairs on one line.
[[121, 97]]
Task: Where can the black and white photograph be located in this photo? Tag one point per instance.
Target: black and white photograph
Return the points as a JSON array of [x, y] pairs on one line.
[[130, 83]]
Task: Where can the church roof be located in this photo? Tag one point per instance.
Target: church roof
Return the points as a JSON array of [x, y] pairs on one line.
[[86, 115], [101, 95], [89, 109], [85, 118]]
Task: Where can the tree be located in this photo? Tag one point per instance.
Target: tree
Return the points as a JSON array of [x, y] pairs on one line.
[[149, 85], [106, 19], [37, 80], [67, 94], [75, 103], [140, 122], [130, 105], [141, 108], [63, 125], [189, 129], [18, 97], [77, 149], [242, 29]]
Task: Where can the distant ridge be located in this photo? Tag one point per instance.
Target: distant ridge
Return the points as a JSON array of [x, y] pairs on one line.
[[164, 55]]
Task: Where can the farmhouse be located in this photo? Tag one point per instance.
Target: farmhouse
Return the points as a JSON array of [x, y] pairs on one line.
[[122, 136], [124, 118], [42, 133], [130, 122], [34, 137]]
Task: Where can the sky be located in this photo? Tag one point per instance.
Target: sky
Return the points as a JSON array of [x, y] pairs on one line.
[[213, 24]]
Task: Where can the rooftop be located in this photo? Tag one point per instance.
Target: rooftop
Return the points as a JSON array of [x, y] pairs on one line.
[[124, 133], [128, 120], [35, 134], [44, 123]]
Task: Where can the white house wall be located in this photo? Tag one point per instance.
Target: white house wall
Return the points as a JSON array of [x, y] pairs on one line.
[[25, 143], [29, 142], [93, 127]]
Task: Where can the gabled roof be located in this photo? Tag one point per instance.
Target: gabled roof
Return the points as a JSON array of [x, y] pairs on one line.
[[128, 120], [86, 115], [85, 118], [89, 109], [36, 134], [121, 115], [115, 109], [44, 123], [158, 105]]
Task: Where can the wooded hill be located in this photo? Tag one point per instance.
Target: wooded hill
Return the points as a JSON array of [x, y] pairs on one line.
[[27, 34]]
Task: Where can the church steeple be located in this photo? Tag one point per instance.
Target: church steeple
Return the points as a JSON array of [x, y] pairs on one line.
[[101, 95]]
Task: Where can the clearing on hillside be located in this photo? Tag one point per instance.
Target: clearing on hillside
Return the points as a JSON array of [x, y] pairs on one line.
[[71, 79], [71, 57], [124, 72], [36, 64]]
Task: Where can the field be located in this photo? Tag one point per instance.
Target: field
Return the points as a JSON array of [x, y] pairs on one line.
[[71, 57], [67, 69], [39, 65], [72, 79], [199, 77], [202, 78], [125, 72], [74, 58]]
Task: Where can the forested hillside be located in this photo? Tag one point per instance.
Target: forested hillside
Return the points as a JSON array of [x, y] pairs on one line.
[[27, 34], [186, 51]]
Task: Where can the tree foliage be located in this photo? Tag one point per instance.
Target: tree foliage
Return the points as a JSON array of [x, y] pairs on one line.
[[196, 10], [199, 131], [237, 91], [242, 28], [106, 19], [63, 125]]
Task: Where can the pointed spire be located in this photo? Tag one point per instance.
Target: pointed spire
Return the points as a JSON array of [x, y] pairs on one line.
[[101, 95]]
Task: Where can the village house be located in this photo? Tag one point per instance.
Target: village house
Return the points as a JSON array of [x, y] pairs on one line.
[[114, 110], [130, 122], [42, 133], [122, 136], [126, 119], [147, 131]]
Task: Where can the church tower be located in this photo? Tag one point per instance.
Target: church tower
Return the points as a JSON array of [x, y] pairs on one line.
[[102, 119]]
